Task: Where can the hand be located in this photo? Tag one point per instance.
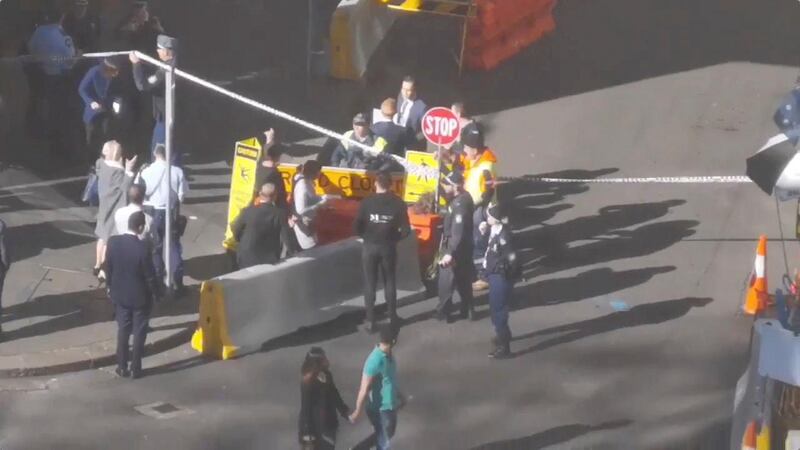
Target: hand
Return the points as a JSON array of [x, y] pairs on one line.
[[270, 135], [483, 227], [354, 416], [95, 106], [293, 219], [446, 261], [133, 57], [131, 163]]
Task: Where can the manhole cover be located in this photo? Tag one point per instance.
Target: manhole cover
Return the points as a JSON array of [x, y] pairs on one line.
[[162, 410]]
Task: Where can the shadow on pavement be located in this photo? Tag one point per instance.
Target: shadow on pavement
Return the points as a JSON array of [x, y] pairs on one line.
[[341, 326], [206, 267], [26, 241], [553, 436], [177, 366], [646, 314]]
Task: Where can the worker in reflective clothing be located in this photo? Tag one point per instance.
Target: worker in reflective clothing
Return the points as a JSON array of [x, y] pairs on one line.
[[502, 269], [456, 269], [153, 82], [350, 156], [479, 180]]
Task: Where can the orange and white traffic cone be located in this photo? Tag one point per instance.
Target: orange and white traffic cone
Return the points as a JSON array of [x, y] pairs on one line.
[[749, 438], [756, 298]]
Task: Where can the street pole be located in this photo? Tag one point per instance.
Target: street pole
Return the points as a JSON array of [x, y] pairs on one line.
[[438, 176], [169, 96]]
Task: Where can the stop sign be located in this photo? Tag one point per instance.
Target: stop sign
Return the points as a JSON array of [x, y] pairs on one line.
[[441, 126]]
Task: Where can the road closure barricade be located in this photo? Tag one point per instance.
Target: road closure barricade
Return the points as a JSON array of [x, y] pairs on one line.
[[242, 310]]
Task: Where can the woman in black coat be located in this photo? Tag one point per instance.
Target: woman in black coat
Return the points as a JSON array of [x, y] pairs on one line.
[[320, 402]]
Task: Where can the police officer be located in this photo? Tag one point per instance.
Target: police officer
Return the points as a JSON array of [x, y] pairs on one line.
[[502, 269], [382, 222], [456, 266], [153, 82]]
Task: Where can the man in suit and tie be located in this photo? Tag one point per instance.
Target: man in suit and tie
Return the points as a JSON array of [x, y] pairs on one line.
[[131, 281], [410, 110]]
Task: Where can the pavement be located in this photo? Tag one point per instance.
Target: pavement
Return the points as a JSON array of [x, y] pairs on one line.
[[627, 332]]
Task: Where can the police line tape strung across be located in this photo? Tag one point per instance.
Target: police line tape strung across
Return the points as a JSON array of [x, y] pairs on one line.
[[416, 169]]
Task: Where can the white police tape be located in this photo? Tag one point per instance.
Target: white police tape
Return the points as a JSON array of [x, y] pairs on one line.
[[721, 179], [25, 58]]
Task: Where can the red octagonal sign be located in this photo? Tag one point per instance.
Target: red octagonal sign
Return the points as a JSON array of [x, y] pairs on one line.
[[441, 126]]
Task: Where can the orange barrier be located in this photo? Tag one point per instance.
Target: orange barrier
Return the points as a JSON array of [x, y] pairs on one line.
[[425, 225], [504, 28], [755, 300], [335, 222]]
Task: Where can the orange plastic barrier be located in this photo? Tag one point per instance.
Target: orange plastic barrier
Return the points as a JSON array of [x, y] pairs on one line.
[[503, 28], [335, 222], [425, 225]]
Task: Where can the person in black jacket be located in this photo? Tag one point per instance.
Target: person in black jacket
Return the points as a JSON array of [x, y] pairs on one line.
[[132, 284], [5, 264], [456, 269], [382, 221], [319, 403], [262, 230], [502, 269]]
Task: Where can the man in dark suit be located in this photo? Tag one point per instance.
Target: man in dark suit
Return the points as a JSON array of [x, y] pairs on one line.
[[410, 110], [396, 137], [131, 281], [5, 263], [262, 230]]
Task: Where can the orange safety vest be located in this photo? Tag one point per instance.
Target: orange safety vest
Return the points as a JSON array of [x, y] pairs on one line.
[[475, 181]]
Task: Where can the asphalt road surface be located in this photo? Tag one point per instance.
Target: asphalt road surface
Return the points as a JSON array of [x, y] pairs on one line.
[[625, 88]]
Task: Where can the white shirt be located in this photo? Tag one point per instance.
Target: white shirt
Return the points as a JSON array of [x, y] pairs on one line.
[[123, 214], [157, 190], [405, 110]]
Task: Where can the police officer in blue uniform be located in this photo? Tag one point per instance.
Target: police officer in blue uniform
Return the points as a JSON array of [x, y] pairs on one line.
[[456, 269], [153, 82], [98, 105], [502, 269]]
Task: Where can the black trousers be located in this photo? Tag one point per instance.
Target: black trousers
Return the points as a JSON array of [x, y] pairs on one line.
[[97, 133], [381, 258], [131, 321], [456, 278], [2, 281]]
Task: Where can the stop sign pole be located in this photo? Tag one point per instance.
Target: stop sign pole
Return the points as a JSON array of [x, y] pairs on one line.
[[440, 127]]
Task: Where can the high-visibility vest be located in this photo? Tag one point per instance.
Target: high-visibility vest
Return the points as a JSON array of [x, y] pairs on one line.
[[380, 143], [474, 181]]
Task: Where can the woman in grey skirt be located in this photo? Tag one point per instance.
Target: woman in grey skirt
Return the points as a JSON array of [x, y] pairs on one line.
[[113, 181]]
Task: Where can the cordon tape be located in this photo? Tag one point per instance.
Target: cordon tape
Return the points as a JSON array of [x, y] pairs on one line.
[[415, 169]]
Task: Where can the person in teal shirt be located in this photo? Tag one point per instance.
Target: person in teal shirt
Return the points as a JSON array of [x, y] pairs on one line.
[[379, 389]]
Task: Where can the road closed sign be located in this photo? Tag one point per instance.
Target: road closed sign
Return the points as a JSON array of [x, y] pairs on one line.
[[441, 126]]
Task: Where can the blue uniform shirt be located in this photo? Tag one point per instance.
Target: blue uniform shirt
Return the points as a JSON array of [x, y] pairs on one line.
[[51, 40]]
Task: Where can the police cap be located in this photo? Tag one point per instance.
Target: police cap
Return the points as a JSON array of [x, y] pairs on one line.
[[166, 42]]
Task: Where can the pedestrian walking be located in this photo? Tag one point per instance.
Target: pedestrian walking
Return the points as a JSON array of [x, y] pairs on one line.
[[320, 402], [133, 289], [379, 394], [410, 110], [114, 177], [502, 270], [98, 105], [396, 136], [456, 268], [5, 265], [307, 203], [153, 82], [382, 221], [158, 188], [262, 230]]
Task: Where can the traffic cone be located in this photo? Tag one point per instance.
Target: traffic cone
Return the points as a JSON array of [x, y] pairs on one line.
[[749, 438], [756, 299]]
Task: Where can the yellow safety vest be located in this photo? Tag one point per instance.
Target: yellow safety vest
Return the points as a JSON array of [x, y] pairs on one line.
[[475, 182], [379, 145]]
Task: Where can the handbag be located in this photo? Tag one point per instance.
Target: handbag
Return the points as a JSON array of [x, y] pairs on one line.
[[91, 194]]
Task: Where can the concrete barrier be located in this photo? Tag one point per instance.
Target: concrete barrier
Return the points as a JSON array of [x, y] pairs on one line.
[[242, 310], [357, 29]]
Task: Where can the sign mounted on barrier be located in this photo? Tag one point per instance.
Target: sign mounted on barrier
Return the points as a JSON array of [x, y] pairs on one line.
[[243, 182], [417, 186], [347, 183]]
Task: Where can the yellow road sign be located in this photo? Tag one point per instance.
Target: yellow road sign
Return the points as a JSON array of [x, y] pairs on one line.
[[243, 182], [416, 186], [459, 8]]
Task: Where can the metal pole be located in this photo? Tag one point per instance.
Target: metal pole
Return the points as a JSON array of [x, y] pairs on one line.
[[464, 41], [438, 176], [169, 115], [309, 38]]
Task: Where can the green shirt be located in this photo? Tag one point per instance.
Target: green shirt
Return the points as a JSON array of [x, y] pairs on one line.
[[383, 370]]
